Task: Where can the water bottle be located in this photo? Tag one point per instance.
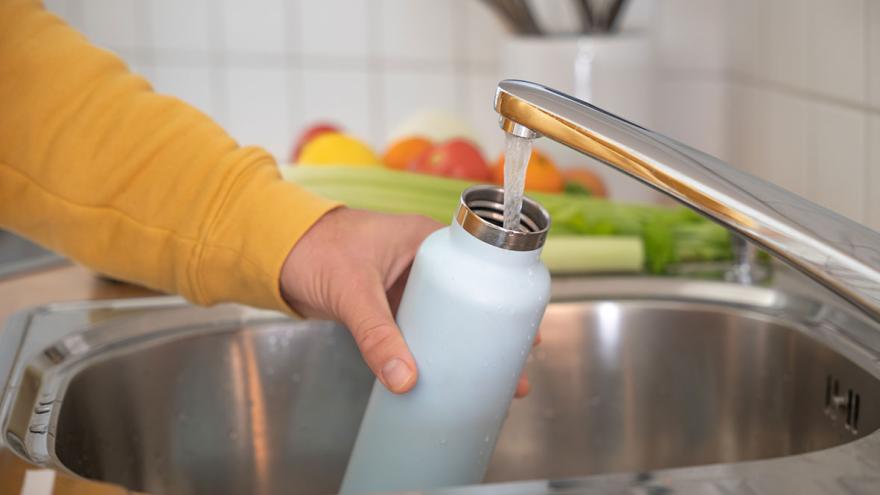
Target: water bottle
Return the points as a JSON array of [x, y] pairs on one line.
[[470, 311]]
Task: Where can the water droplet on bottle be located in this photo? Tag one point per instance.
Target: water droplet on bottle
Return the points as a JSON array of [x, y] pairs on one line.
[[443, 442], [486, 439]]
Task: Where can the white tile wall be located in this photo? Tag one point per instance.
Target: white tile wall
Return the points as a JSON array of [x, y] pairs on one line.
[[810, 45], [760, 82], [873, 23], [255, 26], [689, 35], [788, 155], [408, 92], [836, 47], [66, 9], [703, 101], [265, 69], [789, 38], [745, 38], [179, 26], [481, 113], [334, 28], [418, 30], [837, 145], [803, 89], [114, 24], [192, 84], [749, 129], [259, 108], [485, 34], [349, 107], [873, 183]]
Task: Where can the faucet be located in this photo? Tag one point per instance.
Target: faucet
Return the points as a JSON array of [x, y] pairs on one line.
[[839, 253]]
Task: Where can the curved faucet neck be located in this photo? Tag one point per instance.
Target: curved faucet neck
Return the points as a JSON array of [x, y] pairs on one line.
[[837, 252]]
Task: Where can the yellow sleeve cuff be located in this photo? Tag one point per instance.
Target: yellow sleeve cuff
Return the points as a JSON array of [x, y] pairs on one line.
[[250, 236]]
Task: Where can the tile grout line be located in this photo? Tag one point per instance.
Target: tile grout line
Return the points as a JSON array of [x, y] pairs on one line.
[[218, 69], [461, 43], [294, 75], [869, 175], [813, 96], [143, 31], [376, 76]]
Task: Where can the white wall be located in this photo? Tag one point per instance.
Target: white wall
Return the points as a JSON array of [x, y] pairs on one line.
[[266, 68], [786, 89]]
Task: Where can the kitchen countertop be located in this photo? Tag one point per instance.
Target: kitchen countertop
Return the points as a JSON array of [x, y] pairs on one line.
[[63, 283]]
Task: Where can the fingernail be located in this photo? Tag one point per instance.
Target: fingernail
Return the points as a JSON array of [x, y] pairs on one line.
[[396, 374]]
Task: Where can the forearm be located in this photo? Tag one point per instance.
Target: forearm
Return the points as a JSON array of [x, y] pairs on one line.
[[96, 165]]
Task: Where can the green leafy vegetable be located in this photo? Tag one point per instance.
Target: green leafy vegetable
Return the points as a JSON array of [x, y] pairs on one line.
[[667, 234]]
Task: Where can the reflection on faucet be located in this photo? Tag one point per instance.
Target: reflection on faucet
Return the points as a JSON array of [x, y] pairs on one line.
[[837, 252], [744, 270]]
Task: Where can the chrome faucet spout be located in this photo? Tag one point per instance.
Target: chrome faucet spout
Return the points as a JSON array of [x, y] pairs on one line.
[[835, 251]]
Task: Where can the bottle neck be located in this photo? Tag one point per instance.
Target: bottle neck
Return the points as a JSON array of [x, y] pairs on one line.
[[467, 242]]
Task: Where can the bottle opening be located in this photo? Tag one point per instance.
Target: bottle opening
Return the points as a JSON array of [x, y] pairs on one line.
[[481, 213]]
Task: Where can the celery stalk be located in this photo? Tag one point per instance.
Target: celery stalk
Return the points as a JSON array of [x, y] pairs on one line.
[[567, 254], [667, 235]]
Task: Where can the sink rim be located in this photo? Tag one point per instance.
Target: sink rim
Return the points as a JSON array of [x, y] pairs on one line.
[[821, 320]]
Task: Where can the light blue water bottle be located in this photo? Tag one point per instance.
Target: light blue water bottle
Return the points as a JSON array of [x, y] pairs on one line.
[[470, 311]]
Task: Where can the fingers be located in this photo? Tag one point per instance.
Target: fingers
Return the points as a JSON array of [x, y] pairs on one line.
[[395, 293], [523, 386], [364, 310]]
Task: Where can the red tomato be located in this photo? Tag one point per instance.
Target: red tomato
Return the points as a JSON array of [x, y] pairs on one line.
[[456, 158], [309, 134]]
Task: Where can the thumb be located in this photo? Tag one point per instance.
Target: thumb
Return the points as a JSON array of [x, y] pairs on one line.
[[364, 310]]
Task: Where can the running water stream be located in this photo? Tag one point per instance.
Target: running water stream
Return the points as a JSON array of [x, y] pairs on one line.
[[517, 151]]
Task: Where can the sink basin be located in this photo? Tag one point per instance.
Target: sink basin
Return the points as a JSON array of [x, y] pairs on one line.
[[633, 375]]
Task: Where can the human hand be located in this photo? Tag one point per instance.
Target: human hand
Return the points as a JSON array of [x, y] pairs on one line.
[[352, 266]]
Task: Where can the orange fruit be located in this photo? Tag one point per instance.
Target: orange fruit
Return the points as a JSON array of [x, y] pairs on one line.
[[541, 175], [585, 179], [402, 152]]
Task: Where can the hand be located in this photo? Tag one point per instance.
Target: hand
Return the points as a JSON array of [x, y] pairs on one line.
[[352, 266]]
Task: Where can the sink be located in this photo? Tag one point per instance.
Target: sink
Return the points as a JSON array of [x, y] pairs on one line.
[[18, 255], [634, 375]]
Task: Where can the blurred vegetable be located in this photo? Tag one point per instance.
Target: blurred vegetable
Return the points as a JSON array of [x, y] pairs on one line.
[[581, 181], [568, 254], [401, 153], [541, 174], [456, 158], [333, 148], [435, 125], [668, 235], [309, 134]]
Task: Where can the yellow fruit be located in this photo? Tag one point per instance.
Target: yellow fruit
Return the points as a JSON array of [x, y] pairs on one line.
[[335, 148]]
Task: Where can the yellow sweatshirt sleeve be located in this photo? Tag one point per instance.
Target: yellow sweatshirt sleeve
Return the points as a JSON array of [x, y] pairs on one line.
[[140, 186]]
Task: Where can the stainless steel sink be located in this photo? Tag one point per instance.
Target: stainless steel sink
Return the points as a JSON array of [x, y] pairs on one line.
[[634, 375]]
